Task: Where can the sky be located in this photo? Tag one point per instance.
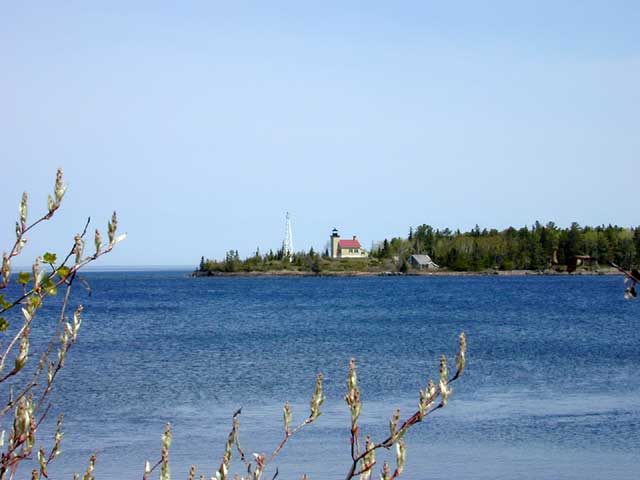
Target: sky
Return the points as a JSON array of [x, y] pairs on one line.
[[202, 123]]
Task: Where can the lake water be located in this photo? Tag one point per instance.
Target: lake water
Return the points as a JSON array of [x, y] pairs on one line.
[[552, 388]]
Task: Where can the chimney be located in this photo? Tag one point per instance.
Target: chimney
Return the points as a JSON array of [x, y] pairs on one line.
[[354, 237]]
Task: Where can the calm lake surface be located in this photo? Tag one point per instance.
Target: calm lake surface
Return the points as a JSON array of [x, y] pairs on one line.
[[552, 388]]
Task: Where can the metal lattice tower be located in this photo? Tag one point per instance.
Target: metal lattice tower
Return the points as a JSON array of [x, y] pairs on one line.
[[287, 243]]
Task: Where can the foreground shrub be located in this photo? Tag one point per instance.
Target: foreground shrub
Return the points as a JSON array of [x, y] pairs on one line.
[[25, 391], [363, 456]]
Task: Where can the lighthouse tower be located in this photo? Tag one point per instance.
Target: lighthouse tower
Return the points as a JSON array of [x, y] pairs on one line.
[[287, 243], [335, 239]]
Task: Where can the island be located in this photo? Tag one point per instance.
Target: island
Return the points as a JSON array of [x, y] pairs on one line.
[[536, 249]]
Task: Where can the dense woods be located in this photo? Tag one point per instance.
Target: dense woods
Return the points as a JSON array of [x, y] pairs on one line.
[[537, 248]]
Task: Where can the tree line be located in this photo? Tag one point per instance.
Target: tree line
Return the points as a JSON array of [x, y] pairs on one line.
[[305, 261], [538, 247]]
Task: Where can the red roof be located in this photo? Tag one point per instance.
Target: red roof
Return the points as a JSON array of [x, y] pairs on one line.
[[349, 244]]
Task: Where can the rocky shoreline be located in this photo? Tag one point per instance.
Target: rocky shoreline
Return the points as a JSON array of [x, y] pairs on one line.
[[440, 273]]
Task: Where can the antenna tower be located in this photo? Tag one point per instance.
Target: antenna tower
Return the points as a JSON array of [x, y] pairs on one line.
[[287, 243]]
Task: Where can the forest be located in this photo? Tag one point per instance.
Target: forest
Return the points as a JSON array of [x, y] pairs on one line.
[[537, 248]]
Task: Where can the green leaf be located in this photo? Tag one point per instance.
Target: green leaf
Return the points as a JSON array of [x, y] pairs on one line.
[[3, 324], [49, 286], [63, 271], [35, 301], [3, 302], [49, 258], [24, 278]]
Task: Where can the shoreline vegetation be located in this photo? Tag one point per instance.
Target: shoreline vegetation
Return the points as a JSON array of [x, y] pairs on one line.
[[439, 273], [535, 250]]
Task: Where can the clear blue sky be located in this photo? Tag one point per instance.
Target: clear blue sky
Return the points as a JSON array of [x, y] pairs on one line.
[[202, 123]]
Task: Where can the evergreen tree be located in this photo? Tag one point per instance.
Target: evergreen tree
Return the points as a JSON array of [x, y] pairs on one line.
[[404, 268], [385, 249], [636, 242], [316, 266]]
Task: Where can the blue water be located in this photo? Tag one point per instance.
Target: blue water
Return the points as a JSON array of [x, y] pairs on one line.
[[552, 388]]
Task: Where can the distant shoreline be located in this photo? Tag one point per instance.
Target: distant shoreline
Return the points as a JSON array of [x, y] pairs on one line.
[[441, 273]]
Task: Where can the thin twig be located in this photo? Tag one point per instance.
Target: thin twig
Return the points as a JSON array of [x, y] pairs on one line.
[[286, 438], [10, 347], [628, 274], [391, 439]]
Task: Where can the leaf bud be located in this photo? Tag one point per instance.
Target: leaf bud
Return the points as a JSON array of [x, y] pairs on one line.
[[401, 456], [431, 390], [42, 461], [77, 321], [58, 436], [23, 211], [6, 268], [59, 188], [427, 397], [386, 472], [20, 245], [352, 380], [23, 352], [317, 399], [64, 342], [64, 336], [287, 417], [368, 460], [167, 436], [98, 242], [88, 474], [393, 423], [445, 391], [22, 421], [260, 459], [112, 226], [36, 273], [165, 473], [353, 393], [353, 400], [444, 371], [423, 404], [460, 357], [78, 248]]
